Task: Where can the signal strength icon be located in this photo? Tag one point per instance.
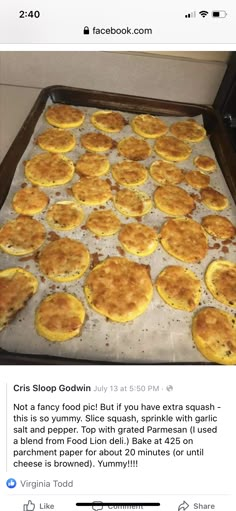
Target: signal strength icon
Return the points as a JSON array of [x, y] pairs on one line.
[[203, 13], [191, 15]]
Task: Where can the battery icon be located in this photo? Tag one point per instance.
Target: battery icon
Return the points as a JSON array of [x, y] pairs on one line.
[[219, 14]]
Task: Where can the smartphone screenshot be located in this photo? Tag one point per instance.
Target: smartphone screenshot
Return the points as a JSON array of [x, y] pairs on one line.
[[117, 256]]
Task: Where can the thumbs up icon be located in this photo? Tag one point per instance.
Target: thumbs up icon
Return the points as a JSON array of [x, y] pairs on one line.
[[29, 507]]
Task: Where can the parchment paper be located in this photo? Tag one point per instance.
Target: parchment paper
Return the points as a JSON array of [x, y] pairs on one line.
[[161, 334]]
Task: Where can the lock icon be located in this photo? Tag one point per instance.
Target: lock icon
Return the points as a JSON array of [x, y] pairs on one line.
[[86, 30]]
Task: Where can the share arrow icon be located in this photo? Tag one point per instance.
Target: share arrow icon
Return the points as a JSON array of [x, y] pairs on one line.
[[183, 506]]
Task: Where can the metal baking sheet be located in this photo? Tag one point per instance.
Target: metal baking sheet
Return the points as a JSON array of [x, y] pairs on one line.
[[161, 334]]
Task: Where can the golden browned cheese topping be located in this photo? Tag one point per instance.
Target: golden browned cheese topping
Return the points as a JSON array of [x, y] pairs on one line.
[[29, 201], [22, 233], [132, 203], [224, 281], [134, 148], [64, 257], [92, 190], [96, 142], [49, 169], [214, 333], [213, 199], [103, 223], [64, 114], [16, 288], [173, 200], [64, 215], [205, 163], [196, 179], [119, 288], [58, 313], [185, 239], [179, 287], [221, 281], [218, 226], [166, 173], [92, 165], [56, 140], [129, 173], [170, 148], [138, 238], [149, 126], [108, 120], [188, 130]]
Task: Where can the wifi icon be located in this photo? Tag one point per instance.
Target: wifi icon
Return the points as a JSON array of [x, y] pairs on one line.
[[203, 13]]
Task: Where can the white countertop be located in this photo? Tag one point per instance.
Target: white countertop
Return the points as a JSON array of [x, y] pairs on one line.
[[15, 104]]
